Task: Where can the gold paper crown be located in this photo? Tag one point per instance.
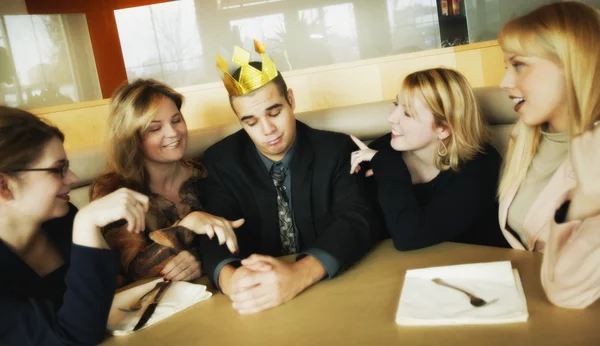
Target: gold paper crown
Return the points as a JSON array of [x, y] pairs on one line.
[[250, 77]]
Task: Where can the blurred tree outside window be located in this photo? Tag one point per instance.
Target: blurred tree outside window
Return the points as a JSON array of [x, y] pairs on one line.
[[46, 60]]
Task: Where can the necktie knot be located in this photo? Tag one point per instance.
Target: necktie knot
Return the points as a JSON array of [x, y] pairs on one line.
[[277, 174]]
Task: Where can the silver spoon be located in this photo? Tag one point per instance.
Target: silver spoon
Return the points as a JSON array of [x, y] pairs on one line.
[[474, 300]]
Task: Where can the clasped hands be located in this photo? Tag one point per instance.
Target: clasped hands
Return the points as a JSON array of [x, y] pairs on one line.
[[263, 282]]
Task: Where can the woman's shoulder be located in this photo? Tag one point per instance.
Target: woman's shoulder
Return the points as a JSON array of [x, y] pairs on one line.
[[199, 170], [382, 143], [487, 159], [489, 154]]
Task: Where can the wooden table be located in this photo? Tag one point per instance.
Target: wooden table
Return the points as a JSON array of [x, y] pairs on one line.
[[359, 307]]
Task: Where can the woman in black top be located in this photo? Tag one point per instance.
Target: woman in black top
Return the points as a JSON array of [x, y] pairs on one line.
[[58, 274], [435, 175]]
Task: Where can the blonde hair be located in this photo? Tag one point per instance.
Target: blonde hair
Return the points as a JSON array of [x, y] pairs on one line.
[[449, 96], [568, 34], [132, 108]]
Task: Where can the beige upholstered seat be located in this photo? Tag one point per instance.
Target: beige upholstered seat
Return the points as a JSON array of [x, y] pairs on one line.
[[366, 121]]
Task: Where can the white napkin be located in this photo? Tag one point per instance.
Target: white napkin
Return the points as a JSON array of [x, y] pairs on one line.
[[423, 302], [178, 296]]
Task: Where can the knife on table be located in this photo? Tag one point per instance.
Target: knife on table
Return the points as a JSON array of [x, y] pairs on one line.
[[150, 309]]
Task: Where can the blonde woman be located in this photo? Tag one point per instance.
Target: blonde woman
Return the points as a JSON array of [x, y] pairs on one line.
[[435, 174], [147, 140], [549, 193]]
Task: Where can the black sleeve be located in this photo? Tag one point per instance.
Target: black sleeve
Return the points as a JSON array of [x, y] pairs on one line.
[[218, 201], [382, 143], [455, 208], [82, 318], [351, 233]]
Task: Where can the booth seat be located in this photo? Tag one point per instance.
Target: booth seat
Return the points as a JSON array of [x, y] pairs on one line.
[[365, 121]]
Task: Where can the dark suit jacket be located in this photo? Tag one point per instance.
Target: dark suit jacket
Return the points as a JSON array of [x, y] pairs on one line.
[[330, 208]]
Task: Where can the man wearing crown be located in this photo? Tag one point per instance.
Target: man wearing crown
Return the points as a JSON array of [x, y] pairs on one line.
[[290, 183]]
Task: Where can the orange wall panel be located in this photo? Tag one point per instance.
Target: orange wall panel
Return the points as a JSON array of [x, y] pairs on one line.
[[107, 50], [119, 4], [55, 6]]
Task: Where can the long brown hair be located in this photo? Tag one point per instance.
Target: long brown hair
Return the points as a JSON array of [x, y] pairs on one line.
[[568, 34], [132, 108], [22, 138]]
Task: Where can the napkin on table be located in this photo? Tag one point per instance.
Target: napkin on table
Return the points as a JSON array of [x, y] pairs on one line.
[[423, 302], [179, 295]]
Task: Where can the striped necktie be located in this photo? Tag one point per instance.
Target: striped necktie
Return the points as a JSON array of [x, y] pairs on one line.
[[286, 225]]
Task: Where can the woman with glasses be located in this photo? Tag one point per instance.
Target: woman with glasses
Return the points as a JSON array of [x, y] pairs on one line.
[[58, 274]]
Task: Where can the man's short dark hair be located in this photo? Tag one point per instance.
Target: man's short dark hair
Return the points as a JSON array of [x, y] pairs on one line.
[[279, 82]]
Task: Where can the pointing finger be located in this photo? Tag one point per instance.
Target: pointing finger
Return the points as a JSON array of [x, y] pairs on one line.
[[359, 143]]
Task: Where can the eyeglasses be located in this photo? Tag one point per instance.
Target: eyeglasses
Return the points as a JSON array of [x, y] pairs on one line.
[[61, 170]]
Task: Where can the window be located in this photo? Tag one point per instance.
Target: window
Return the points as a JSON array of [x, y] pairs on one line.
[[162, 42], [316, 37], [41, 66], [485, 18], [414, 25], [263, 28], [231, 4], [177, 41]]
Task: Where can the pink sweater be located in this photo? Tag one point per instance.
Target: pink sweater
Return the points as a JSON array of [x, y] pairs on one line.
[[571, 264]]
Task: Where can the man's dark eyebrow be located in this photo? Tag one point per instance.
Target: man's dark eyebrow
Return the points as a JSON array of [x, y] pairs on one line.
[[277, 105], [61, 162], [270, 108], [246, 117]]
